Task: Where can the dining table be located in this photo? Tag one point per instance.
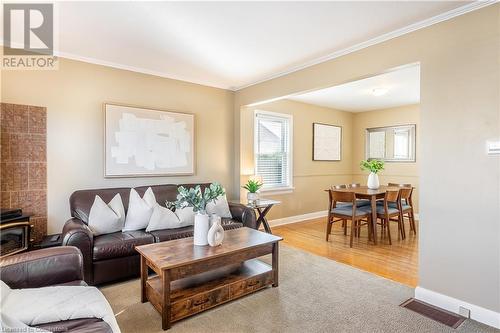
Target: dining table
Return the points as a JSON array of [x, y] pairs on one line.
[[363, 192]]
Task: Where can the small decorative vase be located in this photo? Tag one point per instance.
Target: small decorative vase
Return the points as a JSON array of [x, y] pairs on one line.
[[252, 197], [373, 182], [201, 223], [216, 232]]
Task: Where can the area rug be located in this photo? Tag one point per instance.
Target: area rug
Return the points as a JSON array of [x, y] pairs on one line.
[[315, 295]]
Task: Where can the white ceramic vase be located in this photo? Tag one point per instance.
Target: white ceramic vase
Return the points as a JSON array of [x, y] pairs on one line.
[[201, 224], [252, 197], [216, 233], [373, 182]]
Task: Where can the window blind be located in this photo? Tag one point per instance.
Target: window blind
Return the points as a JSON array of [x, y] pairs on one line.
[[272, 149]]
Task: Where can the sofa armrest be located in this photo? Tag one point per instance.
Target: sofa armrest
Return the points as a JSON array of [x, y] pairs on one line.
[[243, 214], [77, 233], [42, 268]]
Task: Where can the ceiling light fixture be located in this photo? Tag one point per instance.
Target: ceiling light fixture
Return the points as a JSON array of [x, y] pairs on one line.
[[379, 91]]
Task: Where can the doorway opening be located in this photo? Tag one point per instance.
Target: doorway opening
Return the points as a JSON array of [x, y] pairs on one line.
[[374, 117]]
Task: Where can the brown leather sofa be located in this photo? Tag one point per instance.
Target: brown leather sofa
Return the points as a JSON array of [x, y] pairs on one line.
[[111, 257], [48, 267]]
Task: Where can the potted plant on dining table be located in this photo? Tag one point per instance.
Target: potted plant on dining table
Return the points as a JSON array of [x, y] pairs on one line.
[[374, 166]]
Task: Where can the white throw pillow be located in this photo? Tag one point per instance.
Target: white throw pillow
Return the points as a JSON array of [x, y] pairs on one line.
[[162, 217], [139, 210], [106, 218], [4, 291], [185, 215], [34, 306], [219, 207]]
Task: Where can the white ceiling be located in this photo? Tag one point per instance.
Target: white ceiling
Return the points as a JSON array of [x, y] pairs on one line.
[[233, 44], [402, 85]]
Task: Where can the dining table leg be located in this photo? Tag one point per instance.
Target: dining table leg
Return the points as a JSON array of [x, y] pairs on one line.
[[374, 218]]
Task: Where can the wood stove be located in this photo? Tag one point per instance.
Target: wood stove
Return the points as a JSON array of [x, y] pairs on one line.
[[14, 232]]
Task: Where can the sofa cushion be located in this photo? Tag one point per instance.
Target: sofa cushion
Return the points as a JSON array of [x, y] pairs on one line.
[[220, 207], [119, 244], [139, 210], [106, 218], [170, 234]]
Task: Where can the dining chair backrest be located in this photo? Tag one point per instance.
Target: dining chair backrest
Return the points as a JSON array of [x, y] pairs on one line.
[[341, 196], [392, 195], [405, 194], [354, 185]]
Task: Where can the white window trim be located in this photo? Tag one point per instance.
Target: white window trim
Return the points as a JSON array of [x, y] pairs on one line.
[[282, 189]]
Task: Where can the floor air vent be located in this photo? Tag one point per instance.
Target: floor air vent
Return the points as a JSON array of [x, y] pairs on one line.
[[445, 317]]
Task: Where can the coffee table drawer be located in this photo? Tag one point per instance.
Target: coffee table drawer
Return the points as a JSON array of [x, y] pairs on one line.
[[252, 284], [198, 303]]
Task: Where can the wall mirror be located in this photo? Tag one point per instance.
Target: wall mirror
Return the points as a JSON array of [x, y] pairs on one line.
[[391, 143]]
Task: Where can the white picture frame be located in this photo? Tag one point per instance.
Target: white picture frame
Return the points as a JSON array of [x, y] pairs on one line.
[[327, 142], [144, 142]]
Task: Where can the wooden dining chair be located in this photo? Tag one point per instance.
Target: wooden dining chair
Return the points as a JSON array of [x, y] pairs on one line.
[[355, 214], [388, 211], [406, 205], [359, 203], [332, 204]]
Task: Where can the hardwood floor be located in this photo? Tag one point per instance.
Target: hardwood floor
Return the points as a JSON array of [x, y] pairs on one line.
[[397, 262]]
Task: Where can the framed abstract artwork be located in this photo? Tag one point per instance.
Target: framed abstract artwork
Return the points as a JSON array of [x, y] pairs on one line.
[[147, 142], [327, 142]]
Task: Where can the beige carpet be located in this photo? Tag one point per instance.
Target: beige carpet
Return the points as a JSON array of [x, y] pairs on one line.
[[315, 295]]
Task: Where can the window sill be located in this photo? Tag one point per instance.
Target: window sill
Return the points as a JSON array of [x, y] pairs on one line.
[[277, 190]]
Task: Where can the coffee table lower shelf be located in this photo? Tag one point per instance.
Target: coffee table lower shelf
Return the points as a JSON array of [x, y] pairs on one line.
[[200, 292]]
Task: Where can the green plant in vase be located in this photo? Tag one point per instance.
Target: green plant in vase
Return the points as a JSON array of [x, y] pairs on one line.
[[197, 199], [374, 166], [253, 186]]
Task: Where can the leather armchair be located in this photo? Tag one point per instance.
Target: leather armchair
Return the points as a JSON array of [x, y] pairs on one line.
[[41, 268], [47, 267]]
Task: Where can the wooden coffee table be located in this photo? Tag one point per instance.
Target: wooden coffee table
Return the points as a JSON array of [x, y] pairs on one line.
[[190, 279]]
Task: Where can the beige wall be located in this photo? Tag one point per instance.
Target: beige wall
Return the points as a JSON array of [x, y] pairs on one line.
[[395, 172], [310, 177], [460, 106], [74, 95]]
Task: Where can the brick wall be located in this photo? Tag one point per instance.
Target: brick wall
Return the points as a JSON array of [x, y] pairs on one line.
[[23, 162]]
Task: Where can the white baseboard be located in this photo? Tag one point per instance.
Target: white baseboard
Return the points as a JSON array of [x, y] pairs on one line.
[[298, 218], [304, 217], [451, 304]]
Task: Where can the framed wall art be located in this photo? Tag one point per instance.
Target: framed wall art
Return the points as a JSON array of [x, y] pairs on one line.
[[147, 142], [327, 142]]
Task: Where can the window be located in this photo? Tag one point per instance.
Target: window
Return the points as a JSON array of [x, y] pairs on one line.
[[272, 149], [392, 144]]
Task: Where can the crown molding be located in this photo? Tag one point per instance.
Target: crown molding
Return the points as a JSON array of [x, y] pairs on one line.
[[135, 69], [380, 39]]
